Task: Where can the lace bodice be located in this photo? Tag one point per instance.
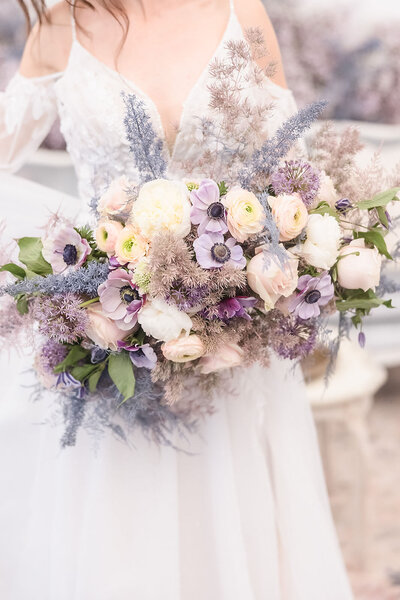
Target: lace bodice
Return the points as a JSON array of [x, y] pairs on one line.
[[87, 97]]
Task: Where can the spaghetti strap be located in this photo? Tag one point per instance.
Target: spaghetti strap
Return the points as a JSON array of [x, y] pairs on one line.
[[73, 23]]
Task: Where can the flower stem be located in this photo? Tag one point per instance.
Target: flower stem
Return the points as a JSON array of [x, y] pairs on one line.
[[88, 302]]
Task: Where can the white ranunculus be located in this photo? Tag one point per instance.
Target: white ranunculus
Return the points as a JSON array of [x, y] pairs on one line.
[[162, 205], [321, 247], [163, 321]]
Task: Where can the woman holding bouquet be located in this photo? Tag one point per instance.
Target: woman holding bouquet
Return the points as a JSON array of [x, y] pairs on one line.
[[243, 513]]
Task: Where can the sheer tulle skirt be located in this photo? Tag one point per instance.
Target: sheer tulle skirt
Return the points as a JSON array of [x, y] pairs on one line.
[[240, 514]]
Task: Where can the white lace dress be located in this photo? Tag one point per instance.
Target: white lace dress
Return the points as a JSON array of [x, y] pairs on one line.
[[245, 516]]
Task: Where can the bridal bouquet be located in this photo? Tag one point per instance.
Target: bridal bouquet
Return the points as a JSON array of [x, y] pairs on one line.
[[188, 278], [182, 280]]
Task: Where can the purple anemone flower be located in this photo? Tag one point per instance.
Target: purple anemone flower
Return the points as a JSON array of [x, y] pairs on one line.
[[120, 299], [208, 212], [141, 356], [212, 251], [313, 293], [235, 307], [66, 250]]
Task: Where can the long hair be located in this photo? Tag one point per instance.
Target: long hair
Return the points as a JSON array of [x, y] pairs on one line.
[[40, 10]]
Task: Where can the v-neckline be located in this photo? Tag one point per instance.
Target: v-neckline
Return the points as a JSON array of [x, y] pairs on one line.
[[147, 98]]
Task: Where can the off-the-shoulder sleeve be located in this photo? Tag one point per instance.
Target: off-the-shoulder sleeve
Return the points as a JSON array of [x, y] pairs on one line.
[[28, 109]]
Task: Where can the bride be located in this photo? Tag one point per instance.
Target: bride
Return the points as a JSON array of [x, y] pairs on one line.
[[244, 514]]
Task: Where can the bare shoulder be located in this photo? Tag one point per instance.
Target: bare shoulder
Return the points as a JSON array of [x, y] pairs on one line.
[[48, 46], [252, 14]]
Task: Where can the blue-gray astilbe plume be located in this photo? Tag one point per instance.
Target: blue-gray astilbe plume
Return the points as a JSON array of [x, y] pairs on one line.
[[146, 147], [266, 159], [85, 281], [106, 411], [344, 328]]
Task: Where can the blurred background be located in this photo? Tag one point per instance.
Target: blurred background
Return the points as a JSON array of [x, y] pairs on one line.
[[347, 52]]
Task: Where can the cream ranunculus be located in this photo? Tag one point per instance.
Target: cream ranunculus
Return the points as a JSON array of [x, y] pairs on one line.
[[359, 267], [245, 213], [290, 215], [327, 192], [130, 246], [227, 356], [321, 247], [183, 349], [163, 321], [271, 280], [106, 235], [102, 330], [162, 205], [115, 199]]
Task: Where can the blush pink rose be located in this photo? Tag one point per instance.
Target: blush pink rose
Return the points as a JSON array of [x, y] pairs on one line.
[[102, 330], [271, 280], [290, 215], [359, 267], [115, 199], [227, 356], [183, 349], [107, 233]]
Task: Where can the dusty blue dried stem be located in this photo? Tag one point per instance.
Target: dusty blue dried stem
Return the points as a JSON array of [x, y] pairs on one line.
[[266, 159], [147, 148], [84, 281]]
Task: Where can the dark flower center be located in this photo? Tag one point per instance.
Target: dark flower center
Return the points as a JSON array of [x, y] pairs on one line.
[[312, 297], [220, 253], [343, 205], [70, 255], [216, 210], [128, 294]]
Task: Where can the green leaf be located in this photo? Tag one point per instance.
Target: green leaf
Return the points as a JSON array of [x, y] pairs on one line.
[[381, 199], [121, 372], [30, 254], [375, 238], [222, 188], [76, 354], [383, 216], [14, 270], [323, 208], [83, 372], [22, 304], [363, 303], [93, 379]]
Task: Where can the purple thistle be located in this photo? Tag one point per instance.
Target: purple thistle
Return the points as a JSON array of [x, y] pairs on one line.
[[60, 317], [208, 212], [313, 293], [296, 176], [186, 297], [52, 354], [291, 337], [141, 356]]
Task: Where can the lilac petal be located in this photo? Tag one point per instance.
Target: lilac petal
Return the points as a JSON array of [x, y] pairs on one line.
[[216, 226], [303, 282], [197, 214], [307, 311], [204, 241], [231, 242], [236, 253]]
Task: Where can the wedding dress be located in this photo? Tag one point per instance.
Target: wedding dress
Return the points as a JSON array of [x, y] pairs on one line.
[[243, 514]]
